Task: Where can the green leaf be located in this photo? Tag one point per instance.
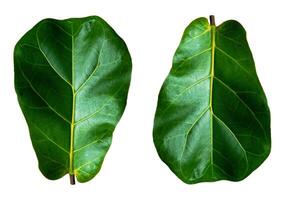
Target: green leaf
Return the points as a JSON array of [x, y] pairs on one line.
[[212, 120], [72, 78]]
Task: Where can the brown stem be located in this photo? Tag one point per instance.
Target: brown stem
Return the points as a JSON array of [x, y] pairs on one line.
[[212, 20], [72, 179]]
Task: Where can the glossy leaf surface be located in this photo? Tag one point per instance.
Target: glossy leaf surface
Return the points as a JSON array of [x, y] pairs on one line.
[[71, 78], [212, 120]]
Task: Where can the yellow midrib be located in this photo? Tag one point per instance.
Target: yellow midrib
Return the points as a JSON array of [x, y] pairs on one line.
[[211, 88], [71, 156]]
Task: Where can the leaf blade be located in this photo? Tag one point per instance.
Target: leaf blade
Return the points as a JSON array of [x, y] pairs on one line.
[[234, 97], [55, 59]]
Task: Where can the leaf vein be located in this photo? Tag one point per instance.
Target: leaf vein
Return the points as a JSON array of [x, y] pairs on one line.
[[50, 107], [48, 138], [85, 164], [61, 28], [183, 91], [99, 110], [235, 61], [232, 133], [240, 99], [229, 38], [197, 36], [51, 159], [45, 56], [89, 144], [191, 57], [188, 132]]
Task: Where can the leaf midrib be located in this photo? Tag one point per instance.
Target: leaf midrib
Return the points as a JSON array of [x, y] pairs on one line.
[[72, 126], [212, 27]]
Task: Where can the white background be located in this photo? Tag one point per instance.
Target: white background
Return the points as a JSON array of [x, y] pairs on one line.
[[152, 31]]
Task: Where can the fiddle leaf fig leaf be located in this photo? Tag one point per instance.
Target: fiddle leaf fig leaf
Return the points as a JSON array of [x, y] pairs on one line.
[[212, 120], [72, 78]]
